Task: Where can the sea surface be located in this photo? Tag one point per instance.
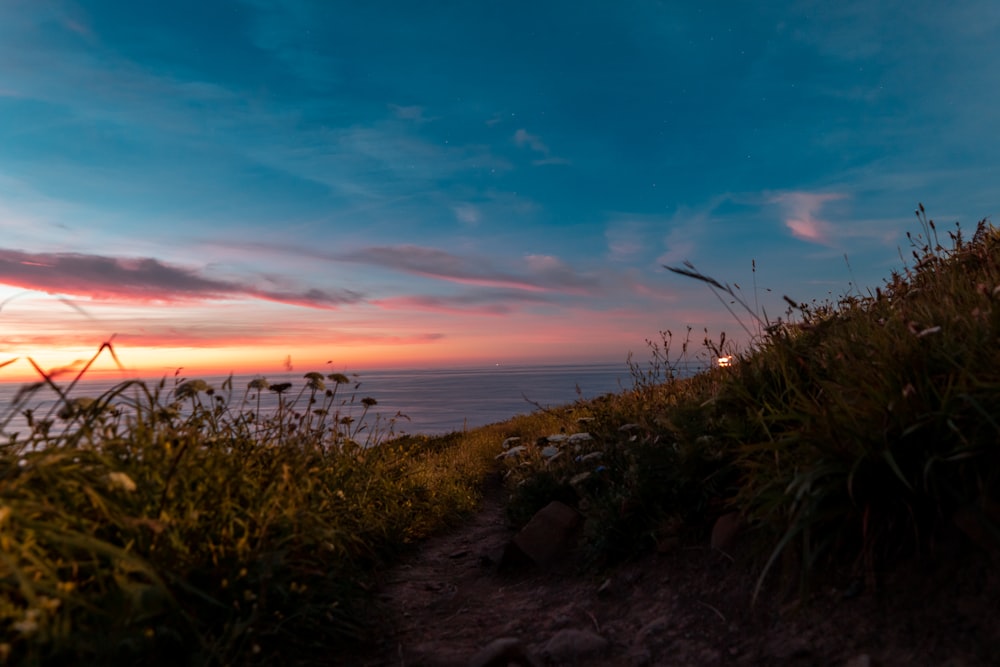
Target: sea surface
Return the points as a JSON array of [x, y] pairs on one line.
[[434, 402]]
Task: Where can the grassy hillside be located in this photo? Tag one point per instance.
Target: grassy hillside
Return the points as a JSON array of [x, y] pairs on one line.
[[852, 432], [175, 524]]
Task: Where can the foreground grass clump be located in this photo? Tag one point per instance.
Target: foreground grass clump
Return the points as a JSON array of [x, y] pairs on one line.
[[850, 433], [646, 467], [180, 526], [872, 428]]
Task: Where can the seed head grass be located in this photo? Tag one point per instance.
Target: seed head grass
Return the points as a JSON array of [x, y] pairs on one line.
[[178, 525]]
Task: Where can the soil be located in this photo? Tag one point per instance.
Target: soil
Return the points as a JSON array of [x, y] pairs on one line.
[[449, 601]]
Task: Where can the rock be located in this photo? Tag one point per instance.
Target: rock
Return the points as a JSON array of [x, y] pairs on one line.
[[503, 652], [725, 530], [580, 437], [592, 456], [550, 452], [559, 437], [549, 534], [510, 442], [628, 427], [571, 644], [513, 451]]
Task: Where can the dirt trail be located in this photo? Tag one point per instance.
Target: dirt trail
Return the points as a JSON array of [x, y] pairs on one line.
[[689, 607]]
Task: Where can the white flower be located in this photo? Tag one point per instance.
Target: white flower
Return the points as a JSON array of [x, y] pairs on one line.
[[119, 480]]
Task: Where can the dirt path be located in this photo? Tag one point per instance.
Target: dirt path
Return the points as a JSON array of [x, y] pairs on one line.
[[448, 605]]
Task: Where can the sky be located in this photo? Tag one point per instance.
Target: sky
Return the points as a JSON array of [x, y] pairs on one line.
[[248, 186]]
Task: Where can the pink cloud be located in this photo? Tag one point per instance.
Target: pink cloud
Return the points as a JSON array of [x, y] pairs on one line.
[[801, 209], [142, 280]]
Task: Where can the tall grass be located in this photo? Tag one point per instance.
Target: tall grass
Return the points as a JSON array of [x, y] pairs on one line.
[[849, 433], [180, 525], [867, 424]]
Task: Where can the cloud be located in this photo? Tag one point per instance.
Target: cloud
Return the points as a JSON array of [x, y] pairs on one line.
[[415, 113], [626, 239], [543, 273], [680, 245], [801, 209], [467, 214], [141, 280], [554, 271], [201, 336], [523, 139], [435, 304], [633, 237]]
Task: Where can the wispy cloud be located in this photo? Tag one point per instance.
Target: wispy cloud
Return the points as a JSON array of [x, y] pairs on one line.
[[525, 139], [801, 215], [542, 273], [142, 280], [467, 214], [414, 113], [458, 305], [202, 337], [626, 239]]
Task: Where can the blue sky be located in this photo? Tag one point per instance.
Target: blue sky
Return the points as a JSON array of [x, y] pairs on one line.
[[222, 184]]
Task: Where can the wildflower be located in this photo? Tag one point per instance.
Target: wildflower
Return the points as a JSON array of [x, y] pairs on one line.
[[74, 407], [191, 388], [315, 381], [29, 624], [119, 480]]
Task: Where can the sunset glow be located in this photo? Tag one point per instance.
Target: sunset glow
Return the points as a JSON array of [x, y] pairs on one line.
[[221, 187]]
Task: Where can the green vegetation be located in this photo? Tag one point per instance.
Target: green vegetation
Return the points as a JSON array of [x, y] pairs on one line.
[[855, 432], [179, 525]]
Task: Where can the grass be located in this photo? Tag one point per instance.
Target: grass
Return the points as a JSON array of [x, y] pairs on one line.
[[178, 524], [855, 432]]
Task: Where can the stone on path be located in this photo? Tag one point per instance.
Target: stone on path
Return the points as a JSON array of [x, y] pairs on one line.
[[549, 535], [725, 530]]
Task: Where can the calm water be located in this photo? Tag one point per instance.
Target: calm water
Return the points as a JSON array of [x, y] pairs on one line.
[[436, 401]]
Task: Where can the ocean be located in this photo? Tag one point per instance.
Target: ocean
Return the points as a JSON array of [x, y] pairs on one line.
[[434, 401]]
